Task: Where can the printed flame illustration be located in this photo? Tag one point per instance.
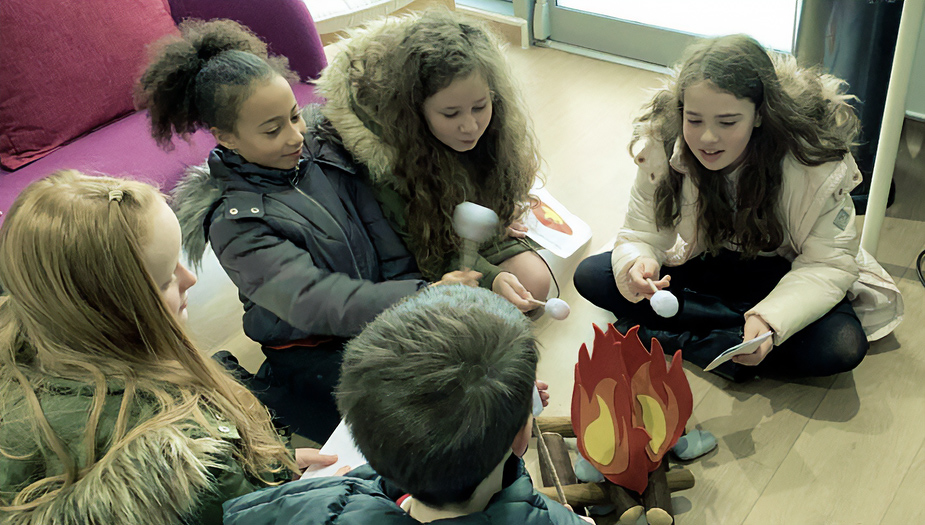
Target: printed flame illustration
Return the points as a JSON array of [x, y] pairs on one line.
[[628, 406], [550, 219]]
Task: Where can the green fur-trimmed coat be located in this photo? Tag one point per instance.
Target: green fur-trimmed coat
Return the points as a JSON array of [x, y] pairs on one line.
[[174, 474]]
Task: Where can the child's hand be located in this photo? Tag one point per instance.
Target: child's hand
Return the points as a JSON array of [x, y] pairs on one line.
[[755, 326], [507, 285], [517, 230], [543, 388], [466, 277], [306, 457], [645, 268]]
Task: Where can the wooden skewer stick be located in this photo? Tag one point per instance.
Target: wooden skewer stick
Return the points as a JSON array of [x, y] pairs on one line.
[[652, 285], [546, 458]]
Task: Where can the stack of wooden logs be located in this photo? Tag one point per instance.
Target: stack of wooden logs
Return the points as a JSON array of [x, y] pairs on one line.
[[561, 483]]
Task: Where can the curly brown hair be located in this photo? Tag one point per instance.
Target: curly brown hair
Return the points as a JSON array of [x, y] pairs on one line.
[[200, 79], [392, 76], [803, 112]]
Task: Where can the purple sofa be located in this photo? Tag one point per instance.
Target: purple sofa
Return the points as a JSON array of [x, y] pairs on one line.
[[124, 147]]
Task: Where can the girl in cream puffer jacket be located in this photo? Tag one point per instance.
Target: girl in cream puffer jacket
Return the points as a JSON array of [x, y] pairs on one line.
[[750, 223]]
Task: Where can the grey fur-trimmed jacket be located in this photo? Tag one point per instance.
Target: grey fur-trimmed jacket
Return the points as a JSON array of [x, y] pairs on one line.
[[308, 248]]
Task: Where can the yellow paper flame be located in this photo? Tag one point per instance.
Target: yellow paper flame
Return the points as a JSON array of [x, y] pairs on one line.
[[599, 437], [653, 418]]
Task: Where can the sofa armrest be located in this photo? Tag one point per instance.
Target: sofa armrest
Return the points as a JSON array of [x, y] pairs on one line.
[[286, 25]]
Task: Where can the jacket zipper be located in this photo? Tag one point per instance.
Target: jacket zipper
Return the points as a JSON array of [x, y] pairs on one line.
[[356, 267]]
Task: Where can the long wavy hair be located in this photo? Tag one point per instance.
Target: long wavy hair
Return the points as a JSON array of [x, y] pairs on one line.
[[393, 76], [803, 112], [201, 79], [82, 307]]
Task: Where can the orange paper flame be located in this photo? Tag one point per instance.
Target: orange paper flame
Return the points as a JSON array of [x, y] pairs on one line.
[[549, 218], [628, 406]]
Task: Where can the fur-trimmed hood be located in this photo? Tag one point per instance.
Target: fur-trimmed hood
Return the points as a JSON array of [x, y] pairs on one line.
[[356, 124], [193, 200], [163, 476]]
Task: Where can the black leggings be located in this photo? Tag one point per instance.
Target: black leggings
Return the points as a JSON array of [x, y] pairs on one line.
[[713, 293], [297, 385]]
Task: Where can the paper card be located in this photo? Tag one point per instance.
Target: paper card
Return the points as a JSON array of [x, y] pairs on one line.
[[340, 443], [537, 402], [553, 227], [747, 347]]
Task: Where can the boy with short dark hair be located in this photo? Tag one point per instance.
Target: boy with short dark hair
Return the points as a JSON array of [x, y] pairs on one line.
[[437, 393]]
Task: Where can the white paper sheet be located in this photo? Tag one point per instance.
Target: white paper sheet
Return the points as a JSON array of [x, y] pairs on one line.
[[555, 228], [340, 443], [747, 347]]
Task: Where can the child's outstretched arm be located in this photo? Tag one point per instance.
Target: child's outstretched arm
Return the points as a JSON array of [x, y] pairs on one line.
[[640, 244], [281, 277]]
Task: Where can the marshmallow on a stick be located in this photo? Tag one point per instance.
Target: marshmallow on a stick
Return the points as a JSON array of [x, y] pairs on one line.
[[663, 302], [474, 224]]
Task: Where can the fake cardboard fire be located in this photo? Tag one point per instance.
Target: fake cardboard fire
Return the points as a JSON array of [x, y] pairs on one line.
[[628, 406]]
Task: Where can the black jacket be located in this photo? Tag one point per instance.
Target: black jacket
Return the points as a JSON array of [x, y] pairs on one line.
[[354, 501], [308, 248]]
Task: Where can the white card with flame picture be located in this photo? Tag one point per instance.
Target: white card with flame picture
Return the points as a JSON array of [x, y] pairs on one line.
[[553, 227]]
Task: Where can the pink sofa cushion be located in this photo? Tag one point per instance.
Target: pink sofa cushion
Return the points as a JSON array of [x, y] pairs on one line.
[[68, 67], [123, 148]]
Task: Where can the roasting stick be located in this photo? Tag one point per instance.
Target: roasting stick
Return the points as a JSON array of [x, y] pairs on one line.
[[546, 458]]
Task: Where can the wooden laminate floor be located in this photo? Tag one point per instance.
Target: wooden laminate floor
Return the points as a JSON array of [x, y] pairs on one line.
[[848, 449]]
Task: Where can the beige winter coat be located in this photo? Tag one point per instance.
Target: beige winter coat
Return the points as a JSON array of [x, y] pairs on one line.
[[821, 240]]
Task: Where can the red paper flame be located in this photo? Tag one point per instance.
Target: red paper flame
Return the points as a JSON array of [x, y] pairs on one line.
[[628, 406]]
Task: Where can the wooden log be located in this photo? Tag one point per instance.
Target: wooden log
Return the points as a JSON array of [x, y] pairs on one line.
[[679, 479], [657, 497], [580, 494], [585, 494], [561, 425], [558, 453], [588, 494], [546, 462]]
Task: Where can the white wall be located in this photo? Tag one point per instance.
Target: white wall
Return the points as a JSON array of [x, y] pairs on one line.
[[915, 98]]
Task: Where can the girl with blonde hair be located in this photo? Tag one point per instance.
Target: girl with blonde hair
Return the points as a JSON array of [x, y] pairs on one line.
[[427, 105], [109, 414], [741, 207]]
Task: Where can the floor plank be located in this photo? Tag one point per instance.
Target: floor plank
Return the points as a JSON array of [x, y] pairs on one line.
[[906, 506], [845, 470]]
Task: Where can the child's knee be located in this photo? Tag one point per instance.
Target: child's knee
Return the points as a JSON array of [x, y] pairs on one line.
[[854, 346], [531, 271]]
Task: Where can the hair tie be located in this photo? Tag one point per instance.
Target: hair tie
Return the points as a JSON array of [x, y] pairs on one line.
[[115, 195]]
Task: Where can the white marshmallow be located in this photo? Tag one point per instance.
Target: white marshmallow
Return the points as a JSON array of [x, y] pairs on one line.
[[557, 308], [664, 303], [474, 222]]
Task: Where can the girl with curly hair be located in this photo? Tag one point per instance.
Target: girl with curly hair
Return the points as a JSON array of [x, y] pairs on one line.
[[109, 414], [428, 106], [293, 225], [741, 205]]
